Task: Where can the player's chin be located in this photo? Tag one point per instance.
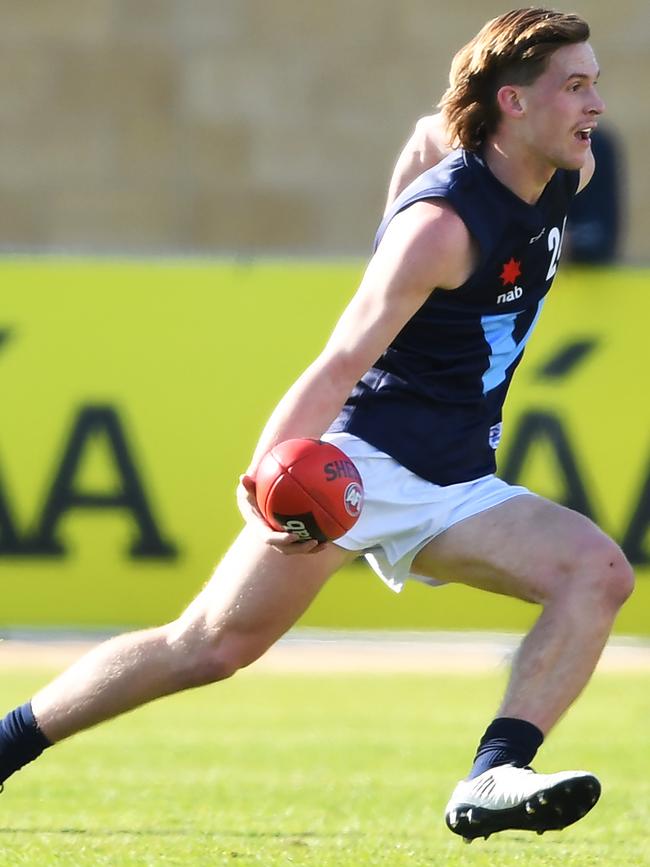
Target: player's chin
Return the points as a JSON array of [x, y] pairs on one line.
[[580, 152], [573, 162]]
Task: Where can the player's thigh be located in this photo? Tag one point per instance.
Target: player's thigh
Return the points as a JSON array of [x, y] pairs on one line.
[[527, 547], [258, 593]]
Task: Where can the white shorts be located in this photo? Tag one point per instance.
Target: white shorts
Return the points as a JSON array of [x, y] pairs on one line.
[[402, 512]]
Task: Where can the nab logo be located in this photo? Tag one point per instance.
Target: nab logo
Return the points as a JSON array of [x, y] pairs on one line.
[[512, 295], [297, 527], [508, 276]]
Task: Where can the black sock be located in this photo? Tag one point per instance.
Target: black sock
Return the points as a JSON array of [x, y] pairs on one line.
[[506, 741], [21, 740]]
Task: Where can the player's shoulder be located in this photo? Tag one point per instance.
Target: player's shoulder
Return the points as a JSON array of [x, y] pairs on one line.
[[440, 216], [434, 227], [456, 178], [435, 217]]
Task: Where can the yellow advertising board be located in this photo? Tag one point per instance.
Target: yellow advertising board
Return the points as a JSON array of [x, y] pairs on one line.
[[132, 394], [578, 421]]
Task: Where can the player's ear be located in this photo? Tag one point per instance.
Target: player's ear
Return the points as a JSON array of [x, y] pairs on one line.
[[510, 100]]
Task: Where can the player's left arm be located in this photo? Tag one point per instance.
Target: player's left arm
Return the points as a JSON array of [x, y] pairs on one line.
[[424, 247], [587, 171]]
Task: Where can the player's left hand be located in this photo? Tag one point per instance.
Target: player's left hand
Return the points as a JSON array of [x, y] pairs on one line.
[[285, 543]]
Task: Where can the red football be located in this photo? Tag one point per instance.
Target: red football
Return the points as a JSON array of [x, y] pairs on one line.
[[310, 488]]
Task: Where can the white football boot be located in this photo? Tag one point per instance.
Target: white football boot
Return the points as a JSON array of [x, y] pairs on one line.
[[509, 797]]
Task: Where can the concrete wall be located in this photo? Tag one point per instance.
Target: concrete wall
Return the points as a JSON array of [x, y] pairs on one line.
[[245, 125]]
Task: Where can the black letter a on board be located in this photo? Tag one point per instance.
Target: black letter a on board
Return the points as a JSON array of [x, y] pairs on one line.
[[638, 531], [10, 542], [99, 421], [540, 427]]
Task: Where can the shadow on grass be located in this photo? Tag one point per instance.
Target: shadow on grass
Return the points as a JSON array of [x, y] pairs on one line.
[[295, 838]]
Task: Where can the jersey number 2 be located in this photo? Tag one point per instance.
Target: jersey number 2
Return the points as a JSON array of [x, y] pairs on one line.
[[555, 238]]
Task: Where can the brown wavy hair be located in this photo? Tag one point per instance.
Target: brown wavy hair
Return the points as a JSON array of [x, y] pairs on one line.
[[511, 49]]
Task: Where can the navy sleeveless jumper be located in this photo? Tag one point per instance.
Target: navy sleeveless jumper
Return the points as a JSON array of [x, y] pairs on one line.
[[433, 400]]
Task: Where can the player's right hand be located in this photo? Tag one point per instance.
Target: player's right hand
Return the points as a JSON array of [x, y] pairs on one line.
[[285, 543]]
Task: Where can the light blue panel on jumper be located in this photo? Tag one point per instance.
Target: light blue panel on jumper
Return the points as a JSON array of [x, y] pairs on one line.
[[504, 350]]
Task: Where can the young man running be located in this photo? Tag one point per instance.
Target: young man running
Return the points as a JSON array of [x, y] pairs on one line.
[[411, 385]]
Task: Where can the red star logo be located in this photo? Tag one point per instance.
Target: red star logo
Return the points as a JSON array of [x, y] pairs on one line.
[[511, 270]]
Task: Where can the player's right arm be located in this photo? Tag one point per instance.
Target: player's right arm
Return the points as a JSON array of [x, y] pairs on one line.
[[424, 247], [428, 145]]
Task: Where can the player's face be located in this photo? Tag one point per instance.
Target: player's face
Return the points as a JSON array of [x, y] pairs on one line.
[[563, 106]]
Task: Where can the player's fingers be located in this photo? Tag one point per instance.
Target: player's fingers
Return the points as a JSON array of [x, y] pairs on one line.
[[246, 498], [246, 491], [251, 513], [248, 483], [294, 545], [285, 543]]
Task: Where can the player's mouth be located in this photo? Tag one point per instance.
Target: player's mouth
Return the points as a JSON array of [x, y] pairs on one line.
[[584, 134]]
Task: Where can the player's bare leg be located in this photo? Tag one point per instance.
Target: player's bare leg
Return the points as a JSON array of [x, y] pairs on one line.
[[255, 595], [538, 551]]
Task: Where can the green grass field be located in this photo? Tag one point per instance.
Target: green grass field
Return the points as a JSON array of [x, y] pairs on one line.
[[323, 770]]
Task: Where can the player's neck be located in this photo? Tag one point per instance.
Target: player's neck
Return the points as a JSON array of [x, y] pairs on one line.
[[521, 172]]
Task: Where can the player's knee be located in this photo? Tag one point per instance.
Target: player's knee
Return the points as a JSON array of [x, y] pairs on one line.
[[202, 656], [603, 571], [211, 664], [618, 576], [225, 655]]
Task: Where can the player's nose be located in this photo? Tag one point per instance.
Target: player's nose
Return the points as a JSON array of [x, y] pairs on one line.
[[597, 104]]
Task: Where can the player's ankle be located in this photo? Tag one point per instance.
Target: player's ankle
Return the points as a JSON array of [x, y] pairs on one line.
[[506, 741], [21, 740]]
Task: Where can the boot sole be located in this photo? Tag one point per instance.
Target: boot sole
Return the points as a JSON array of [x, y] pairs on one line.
[[548, 809]]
